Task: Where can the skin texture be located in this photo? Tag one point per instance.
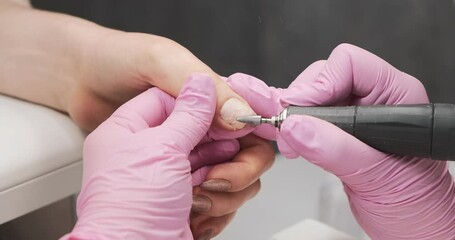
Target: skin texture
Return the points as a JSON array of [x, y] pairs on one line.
[[96, 66], [391, 196], [88, 71]]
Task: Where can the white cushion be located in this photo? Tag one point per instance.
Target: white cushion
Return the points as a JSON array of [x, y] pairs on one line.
[[35, 143]]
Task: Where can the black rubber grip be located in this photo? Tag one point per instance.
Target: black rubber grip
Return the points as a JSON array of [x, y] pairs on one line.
[[404, 130], [423, 130], [342, 117], [443, 147]]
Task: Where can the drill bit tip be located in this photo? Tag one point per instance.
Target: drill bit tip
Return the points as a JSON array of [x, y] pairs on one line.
[[253, 120]]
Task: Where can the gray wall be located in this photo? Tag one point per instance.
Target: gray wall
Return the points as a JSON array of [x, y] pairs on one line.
[[276, 40]]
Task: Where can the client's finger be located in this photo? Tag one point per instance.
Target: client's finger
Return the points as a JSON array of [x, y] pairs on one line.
[[256, 157], [217, 204], [206, 227], [169, 64], [213, 152]]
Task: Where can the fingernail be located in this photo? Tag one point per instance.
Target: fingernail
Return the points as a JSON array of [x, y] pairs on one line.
[[232, 109], [208, 234], [231, 147], [216, 185], [201, 203]]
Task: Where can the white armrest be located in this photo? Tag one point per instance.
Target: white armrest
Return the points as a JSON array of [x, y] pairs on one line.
[[40, 157]]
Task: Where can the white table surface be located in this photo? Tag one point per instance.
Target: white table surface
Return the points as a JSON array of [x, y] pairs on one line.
[[40, 157]]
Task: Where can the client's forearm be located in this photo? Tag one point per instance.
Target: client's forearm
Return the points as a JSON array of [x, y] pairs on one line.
[[40, 53]]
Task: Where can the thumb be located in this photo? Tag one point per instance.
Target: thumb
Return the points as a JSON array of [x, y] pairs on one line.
[[264, 100], [306, 89], [193, 113], [327, 146]]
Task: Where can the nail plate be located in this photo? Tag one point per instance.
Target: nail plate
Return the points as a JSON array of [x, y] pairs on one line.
[[201, 203], [208, 234], [234, 108], [216, 185]]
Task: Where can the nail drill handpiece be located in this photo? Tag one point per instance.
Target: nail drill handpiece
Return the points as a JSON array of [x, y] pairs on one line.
[[422, 130]]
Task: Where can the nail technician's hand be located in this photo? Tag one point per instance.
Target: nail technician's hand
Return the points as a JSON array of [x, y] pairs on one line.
[[137, 182], [392, 197]]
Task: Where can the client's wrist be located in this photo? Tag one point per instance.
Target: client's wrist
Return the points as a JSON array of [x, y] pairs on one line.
[[40, 59]]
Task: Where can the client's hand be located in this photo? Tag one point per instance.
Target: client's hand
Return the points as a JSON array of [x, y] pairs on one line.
[[137, 174], [228, 186], [391, 196], [117, 66], [87, 70]]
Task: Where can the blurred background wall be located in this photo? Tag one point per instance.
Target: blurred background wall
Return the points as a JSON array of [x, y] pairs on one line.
[[276, 40]]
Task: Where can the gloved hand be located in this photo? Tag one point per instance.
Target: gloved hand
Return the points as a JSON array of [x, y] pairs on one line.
[[137, 181], [391, 196]]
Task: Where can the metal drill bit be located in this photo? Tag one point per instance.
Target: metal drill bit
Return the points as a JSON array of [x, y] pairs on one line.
[[255, 120], [252, 120]]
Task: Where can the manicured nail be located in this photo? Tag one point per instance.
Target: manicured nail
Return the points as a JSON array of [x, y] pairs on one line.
[[216, 185], [234, 108], [201, 203], [207, 235]]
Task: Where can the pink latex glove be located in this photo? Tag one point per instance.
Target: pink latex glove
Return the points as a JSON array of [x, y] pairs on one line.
[[392, 197], [137, 181]]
